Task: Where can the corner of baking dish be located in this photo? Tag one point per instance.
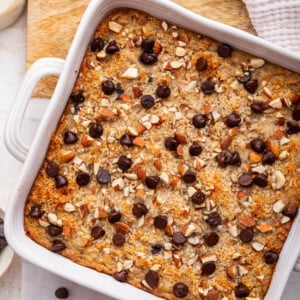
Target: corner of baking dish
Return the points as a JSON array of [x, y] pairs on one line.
[[95, 12]]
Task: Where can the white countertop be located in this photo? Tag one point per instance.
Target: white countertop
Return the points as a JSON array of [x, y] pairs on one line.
[[33, 283]]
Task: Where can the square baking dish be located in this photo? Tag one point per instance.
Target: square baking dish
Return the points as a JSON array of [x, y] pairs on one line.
[[68, 71]]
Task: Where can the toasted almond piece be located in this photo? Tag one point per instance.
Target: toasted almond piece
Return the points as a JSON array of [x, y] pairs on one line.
[[44, 223], [164, 178], [232, 271], [284, 220], [276, 103], [157, 47], [226, 142], [236, 256], [167, 66], [174, 181], [206, 109], [158, 165], [101, 55], [131, 73], [122, 227], [208, 257], [273, 147], [177, 260], [69, 207], [140, 194], [243, 270], [125, 98], [257, 246], [139, 141], [269, 94], [114, 26], [118, 184], [68, 155], [264, 227], [182, 169], [83, 210], [278, 133], [255, 157], [106, 114], [67, 231], [181, 138], [256, 62], [137, 92], [176, 64], [283, 155], [242, 195], [164, 26], [179, 150], [247, 220], [86, 140], [279, 206], [141, 173], [132, 131], [233, 230], [169, 230], [127, 264], [189, 229], [278, 180], [130, 176], [101, 213], [180, 51]]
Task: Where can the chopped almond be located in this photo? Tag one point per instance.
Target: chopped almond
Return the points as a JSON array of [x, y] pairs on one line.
[[247, 220], [273, 147], [255, 157], [140, 128], [102, 214], [67, 231], [181, 138], [67, 156], [158, 165], [121, 227], [137, 92], [106, 114], [141, 173], [126, 98], [157, 47], [139, 141], [86, 140], [264, 227]]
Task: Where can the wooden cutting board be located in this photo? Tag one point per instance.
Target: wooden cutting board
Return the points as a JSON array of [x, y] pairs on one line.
[[51, 26]]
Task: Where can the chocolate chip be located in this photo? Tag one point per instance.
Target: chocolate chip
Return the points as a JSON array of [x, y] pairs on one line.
[[147, 45], [118, 239], [251, 86], [211, 239], [290, 212], [147, 101], [198, 197], [35, 212], [296, 114], [156, 248], [268, 158], [178, 238], [97, 232], [96, 130], [246, 180], [195, 149], [60, 181], [52, 169], [126, 140], [233, 120], [199, 120], [124, 163], [224, 50], [54, 230], [97, 44], [139, 209], [112, 47], [201, 64], [70, 137], [292, 127], [148, 58], [171, 143], [241, 291], [103, 177], [114, 216], [223, 159], [207, 87], [152, 182], [246, 235], [189, 176], [271, 257], [152, 279], [214, 219], [77, 97], [108, 87], [180, 290], [235, 159], [62, 293], [121, 276], [119, 90], [246, 77], [163, 91], [208, 268], [261, 180], [57, 246], [257, 107], [258, 145], [82, 178], [160, 221]]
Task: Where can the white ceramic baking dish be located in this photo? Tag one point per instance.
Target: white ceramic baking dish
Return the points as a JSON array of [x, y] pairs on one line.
[[67, 72]]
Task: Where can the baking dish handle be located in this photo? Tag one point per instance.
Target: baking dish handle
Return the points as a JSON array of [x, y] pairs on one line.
[[12, 134]]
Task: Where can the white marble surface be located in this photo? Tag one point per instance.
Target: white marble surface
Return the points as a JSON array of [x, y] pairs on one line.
[[32, 283]]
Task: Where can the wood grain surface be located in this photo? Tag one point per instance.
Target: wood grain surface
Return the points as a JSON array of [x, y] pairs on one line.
[[52, 24]]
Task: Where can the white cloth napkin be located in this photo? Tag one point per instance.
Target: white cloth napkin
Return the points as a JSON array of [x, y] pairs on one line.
[[277, 21]]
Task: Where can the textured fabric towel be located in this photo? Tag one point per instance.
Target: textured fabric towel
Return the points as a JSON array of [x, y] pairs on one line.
[[277, 21]]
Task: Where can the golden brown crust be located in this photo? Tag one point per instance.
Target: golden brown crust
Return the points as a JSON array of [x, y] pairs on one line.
[[79, 208]]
